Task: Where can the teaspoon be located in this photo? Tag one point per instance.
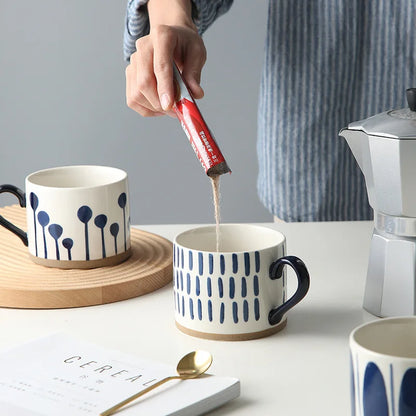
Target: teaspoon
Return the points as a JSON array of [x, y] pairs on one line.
[[191, 365]]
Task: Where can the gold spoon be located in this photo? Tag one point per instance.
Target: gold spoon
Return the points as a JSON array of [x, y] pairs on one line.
[[191, 365]]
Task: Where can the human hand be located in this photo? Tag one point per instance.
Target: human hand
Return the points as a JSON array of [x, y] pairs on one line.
[[150, 88]]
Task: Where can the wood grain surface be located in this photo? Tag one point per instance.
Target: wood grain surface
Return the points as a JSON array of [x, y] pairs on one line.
[[24, 284]]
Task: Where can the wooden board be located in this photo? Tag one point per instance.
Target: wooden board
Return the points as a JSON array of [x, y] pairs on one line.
[[24, 284]]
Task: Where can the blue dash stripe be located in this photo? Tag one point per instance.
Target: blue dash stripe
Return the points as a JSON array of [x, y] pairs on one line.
[[257, 261], [245, 311], [210, 263], [247, 263], [197, 286], [201, 264], [191, 260], [235, 263], [220, 287], [243, 287], [232, 287], [200, 309], [222, 264], [235, 312]]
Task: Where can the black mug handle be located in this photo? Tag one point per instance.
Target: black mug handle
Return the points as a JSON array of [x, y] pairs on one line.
[[276, 272], [22, 201]]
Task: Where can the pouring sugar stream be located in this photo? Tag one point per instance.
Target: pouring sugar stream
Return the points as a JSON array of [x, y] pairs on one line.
[[203, 143]]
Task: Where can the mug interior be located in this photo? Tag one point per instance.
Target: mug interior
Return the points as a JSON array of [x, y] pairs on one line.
[[77, 176], [233, 237], [392, 336]]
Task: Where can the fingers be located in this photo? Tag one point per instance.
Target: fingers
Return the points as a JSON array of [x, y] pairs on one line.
[[164, 46], [192, 68], [135, 96], [145, 77], [150, 88]]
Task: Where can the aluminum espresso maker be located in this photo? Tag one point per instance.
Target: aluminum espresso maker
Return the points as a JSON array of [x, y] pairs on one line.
[[385, 148]]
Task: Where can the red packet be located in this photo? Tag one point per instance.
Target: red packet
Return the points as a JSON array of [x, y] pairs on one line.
[[197, 131]]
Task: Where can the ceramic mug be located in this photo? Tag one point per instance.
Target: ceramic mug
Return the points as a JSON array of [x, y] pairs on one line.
[[238, 292], [77, 216], [383, 368]]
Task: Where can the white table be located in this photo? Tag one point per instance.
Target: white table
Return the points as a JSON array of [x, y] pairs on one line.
[[303, 370]]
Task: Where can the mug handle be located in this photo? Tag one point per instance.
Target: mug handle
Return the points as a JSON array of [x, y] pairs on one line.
[[276, 272], [22, 201]]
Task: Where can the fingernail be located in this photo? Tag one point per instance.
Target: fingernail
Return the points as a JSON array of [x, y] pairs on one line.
[[165, 101]]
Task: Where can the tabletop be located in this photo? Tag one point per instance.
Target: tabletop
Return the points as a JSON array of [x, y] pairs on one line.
[[303, 369]]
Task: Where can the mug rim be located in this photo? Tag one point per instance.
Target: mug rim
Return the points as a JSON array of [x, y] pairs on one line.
[[212, 227], [379, 322], [120, 176]]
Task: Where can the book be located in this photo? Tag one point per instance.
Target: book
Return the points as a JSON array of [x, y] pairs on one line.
[[59, 374]]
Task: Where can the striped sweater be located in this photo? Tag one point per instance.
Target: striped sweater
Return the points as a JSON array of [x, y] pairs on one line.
[[326, 63]]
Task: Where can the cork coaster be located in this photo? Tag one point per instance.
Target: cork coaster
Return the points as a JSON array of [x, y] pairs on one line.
[[24, 284], [233, 337]]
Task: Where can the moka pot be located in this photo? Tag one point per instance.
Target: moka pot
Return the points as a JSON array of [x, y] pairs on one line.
[[385, 149]]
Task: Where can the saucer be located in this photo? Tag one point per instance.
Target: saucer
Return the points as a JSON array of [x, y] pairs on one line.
[[24, 284]]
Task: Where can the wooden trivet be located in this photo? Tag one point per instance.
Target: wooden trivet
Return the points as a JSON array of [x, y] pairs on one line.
[[24, 284]]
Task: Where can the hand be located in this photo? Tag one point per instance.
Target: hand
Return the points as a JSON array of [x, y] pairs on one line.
[[150, 87]]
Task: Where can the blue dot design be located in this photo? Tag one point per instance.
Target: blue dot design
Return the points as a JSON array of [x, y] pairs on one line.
[[211, 263], [374, 392], [209, 287], [407, 399]]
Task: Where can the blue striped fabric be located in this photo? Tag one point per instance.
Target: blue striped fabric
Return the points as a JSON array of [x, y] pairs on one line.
[[326, 63]]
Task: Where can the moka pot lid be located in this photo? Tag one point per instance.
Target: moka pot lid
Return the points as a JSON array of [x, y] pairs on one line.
[[393, 124]]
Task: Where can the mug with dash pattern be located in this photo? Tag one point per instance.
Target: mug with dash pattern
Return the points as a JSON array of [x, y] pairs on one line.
[[238, 292]]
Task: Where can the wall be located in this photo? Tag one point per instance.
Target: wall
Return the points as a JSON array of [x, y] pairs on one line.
[[62, 102]]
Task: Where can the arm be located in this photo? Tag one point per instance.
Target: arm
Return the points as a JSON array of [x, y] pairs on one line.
[[204, 13], [173, 37]]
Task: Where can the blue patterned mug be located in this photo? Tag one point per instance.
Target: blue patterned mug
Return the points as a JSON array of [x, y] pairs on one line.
[[238, 292], [383, 368], [77, 216]]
